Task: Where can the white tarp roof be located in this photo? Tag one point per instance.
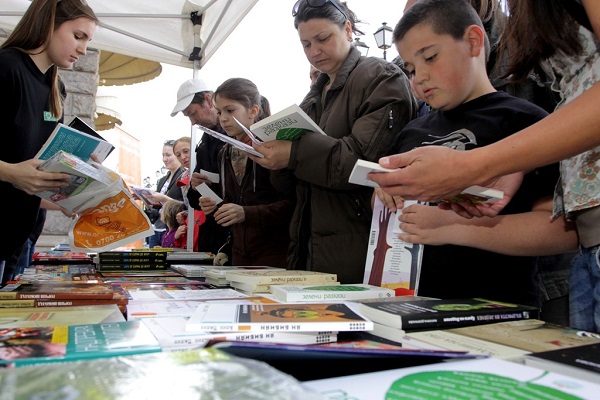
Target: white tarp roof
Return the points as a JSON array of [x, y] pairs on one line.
[[160, 30]]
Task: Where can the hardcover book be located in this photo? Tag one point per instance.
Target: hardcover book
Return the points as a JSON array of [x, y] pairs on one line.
[[287, 124], [27, 346], [54, 316], [57, 291], [329, 293], [579, 361], [444, 313], [487, 378], [309, 317], [280, 277]]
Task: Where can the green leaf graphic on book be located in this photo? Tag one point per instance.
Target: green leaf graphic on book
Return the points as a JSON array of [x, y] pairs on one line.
[[339, 288], [469, 385], [291, 133]]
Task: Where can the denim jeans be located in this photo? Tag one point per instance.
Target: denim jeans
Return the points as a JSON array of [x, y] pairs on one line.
[[584, 295]]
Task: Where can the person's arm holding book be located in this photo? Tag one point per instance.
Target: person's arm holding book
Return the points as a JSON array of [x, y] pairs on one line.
[[28, 178], [525, 234]]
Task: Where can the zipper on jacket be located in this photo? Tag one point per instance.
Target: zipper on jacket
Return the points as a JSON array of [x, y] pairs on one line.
[[391, 120]]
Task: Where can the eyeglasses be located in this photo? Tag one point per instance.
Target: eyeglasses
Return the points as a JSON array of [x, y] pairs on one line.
[[317, 3], [169, 143]]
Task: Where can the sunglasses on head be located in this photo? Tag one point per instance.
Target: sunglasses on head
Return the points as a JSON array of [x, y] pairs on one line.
[[169, 143], [317, 3]]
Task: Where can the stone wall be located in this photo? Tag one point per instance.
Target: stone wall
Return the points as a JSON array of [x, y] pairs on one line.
[[81, 83]]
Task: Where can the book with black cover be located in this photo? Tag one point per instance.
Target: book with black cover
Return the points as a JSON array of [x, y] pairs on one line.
[[579, 362], [444, 313]]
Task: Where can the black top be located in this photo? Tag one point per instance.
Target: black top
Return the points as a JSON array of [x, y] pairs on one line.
[[457, 271]]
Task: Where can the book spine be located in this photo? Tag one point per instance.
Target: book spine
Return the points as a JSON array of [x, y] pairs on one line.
[[308, 296], [278, 327], [133, 266], [16, 303], [429, 321], [282, 280], [56, 296], [132, 260]]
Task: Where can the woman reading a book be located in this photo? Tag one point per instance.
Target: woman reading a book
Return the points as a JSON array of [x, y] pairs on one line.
[[361, 103], [257, 213], [51, 34]]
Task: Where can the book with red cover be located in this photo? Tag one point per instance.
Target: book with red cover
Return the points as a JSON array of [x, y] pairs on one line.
[[50, 291], [61, 257]]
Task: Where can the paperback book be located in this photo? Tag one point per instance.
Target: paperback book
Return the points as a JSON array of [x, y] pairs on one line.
[[132, 257], [329, 293], [27, 346], [122, 302], [143, 194], [229, 140], [199, 292], [200, 257], [60, 257], [474, 194], [313, 317], [280, 277], [444, 313], [287, 124], [76, 142]]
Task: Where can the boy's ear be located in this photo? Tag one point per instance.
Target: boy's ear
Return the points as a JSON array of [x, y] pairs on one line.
[[476, 37]]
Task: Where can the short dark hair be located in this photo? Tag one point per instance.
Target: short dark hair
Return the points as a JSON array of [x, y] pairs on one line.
[[446, 17], [200, 97], [307, 12]]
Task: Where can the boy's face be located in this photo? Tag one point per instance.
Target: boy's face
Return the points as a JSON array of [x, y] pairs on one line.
[[440, 67]]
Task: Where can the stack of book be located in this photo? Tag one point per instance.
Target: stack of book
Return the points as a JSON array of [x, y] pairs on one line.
[[131, 261], [217, 275], [260, 282], [190, 270], [80, 273], [60, 295], [393, 317]]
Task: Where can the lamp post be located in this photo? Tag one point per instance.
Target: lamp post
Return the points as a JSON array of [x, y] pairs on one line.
[[361, 46], [383, 38]]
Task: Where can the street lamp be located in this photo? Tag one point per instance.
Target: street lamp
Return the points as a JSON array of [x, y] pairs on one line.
[[361, 46], [383, 37]]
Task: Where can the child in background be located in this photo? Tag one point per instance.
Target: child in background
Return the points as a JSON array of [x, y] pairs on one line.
[[176, 233], [257, 214]]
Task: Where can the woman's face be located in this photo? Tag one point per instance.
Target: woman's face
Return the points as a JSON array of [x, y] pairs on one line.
[[326, 45], [69, 41], [227, 109], [182, 152], [171, 162]]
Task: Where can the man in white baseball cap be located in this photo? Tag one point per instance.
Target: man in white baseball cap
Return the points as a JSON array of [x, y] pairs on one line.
[[194, 100]]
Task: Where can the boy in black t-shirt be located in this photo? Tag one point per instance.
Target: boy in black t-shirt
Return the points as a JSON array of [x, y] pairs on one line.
[[444, 48]]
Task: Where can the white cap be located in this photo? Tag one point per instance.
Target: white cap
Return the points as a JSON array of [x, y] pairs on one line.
[[186, 93]]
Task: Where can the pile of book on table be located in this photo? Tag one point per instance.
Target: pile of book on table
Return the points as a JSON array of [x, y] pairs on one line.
[[261, 281]]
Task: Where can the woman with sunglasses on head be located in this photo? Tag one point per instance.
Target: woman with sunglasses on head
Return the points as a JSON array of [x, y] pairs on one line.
[[166, 189], [51, 34], [361, 103]]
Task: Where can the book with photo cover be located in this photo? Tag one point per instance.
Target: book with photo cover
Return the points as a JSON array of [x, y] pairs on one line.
[[285, 317], [28, 346], [444, 313]]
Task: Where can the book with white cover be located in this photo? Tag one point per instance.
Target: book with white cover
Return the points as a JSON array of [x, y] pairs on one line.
[[285, 317], [475, 193], [486, 378], [195, 294], [287, 124], [266, 277], [232, 141], [171, 333], [326, 293]]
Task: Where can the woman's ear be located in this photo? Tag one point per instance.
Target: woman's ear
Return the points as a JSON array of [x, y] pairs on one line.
[[253, 112]]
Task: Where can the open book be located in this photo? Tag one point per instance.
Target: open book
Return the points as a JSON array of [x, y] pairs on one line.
[[234, 142], [288, 124], [76, 142], [142, 193]]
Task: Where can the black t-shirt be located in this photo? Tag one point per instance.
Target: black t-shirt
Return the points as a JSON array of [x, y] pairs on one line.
[[26, 125], [456, 271]]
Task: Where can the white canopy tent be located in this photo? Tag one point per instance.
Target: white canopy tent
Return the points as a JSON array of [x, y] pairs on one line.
[[179, 32]]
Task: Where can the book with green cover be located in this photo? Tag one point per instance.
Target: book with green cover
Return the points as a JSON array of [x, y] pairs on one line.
[[26, 346]]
